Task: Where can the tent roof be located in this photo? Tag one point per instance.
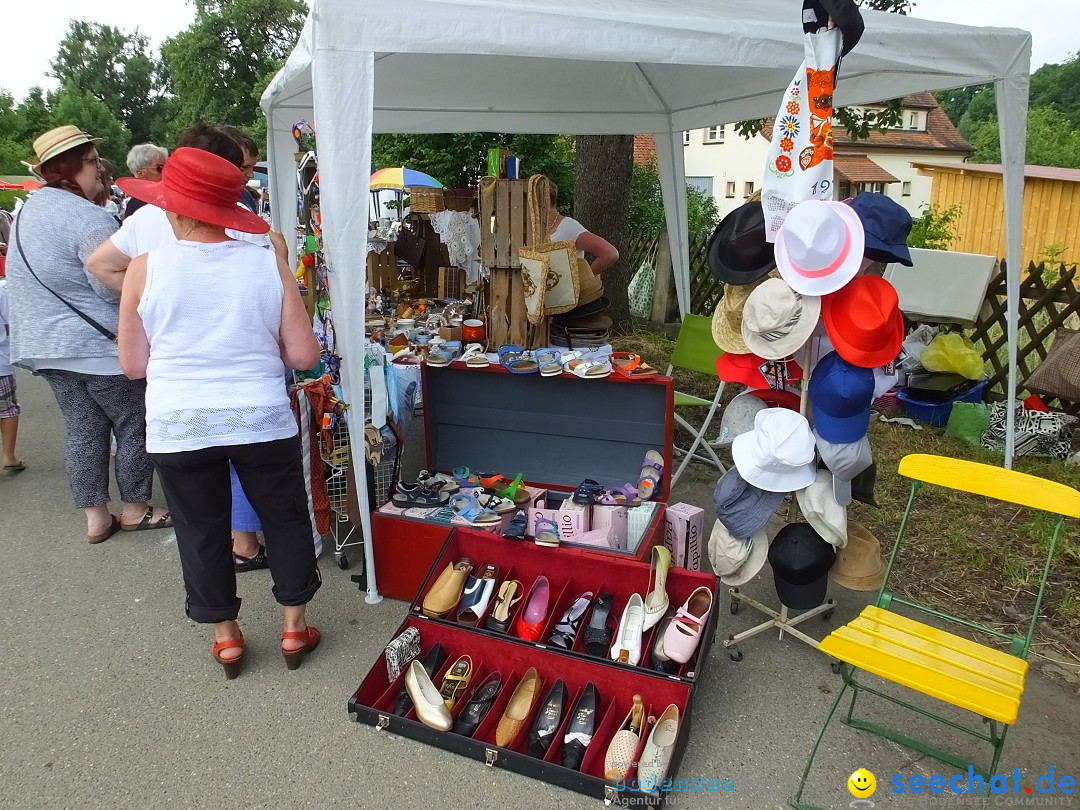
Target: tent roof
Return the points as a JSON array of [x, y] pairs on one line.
[[620, 66]]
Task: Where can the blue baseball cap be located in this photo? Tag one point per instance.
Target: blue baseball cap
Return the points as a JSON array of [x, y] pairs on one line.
[[840, 399], [886, 225]]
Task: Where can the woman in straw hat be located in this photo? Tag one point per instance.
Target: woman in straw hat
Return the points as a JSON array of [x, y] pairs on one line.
[[63, 323], [212, 323]]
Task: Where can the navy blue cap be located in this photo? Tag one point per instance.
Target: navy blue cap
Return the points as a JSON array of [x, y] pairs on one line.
[[886, 224], [840, 399]]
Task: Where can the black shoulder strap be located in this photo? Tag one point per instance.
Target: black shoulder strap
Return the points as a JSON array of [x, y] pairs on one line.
[[18, 244]]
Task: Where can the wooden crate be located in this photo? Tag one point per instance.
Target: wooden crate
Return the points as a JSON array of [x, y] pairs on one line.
[[382, 268], [504, 222]]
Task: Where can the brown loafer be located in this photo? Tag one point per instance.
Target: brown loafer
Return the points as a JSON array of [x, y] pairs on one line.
[[444, 595]]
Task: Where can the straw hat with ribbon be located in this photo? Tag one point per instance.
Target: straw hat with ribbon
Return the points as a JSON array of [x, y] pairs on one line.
[[859, 566], [728, 315], [57, 141], [199, 185]]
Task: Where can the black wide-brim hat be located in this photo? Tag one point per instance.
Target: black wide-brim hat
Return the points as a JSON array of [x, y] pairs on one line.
[[738, 251]]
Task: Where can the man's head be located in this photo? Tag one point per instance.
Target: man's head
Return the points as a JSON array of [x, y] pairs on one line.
[[146, 161], [214, 139], [250, 149]]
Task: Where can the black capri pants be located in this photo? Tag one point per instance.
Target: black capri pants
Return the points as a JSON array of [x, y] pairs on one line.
[[197, 489]]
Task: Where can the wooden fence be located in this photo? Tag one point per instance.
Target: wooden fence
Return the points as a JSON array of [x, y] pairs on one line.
[[1049, 300]]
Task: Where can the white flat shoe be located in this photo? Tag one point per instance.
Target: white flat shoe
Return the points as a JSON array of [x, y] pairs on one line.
[[627, 646], [656, 755], [656, 600], [429, 704]]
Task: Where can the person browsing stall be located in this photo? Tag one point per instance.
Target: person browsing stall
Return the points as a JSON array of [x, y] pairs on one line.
[[213, 372], [568, 229], [62, 329]]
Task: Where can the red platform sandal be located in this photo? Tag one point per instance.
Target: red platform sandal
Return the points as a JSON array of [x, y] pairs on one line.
[[310, 637], [231, 665]]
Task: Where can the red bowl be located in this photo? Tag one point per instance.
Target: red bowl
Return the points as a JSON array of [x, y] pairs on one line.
[[473, 331]]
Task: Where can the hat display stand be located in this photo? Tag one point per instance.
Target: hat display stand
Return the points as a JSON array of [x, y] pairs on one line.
[[781, 619]]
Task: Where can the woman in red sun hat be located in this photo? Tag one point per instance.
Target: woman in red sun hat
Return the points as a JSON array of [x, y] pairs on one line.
[[212, 323]]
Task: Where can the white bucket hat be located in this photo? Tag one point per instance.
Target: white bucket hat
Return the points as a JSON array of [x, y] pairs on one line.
[[777, 320], [819, 248], [778, 455], [737, 562], [819, 507]]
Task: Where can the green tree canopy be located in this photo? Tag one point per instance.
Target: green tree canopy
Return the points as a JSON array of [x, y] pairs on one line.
[[1051, 140], [245, 42], [646, 205], [116, 68], [71, 105]]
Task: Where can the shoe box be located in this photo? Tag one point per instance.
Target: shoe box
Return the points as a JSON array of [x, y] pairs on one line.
[[570, 572], [556, 431]]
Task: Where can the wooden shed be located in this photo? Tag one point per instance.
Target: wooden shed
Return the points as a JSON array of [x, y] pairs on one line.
[[1051, 209]]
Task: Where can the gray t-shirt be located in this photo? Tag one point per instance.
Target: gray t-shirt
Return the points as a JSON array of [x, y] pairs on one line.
[[59, 230]]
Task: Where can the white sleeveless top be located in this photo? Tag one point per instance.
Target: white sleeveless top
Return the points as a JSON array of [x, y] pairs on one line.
[[568, 230], [212, 314]]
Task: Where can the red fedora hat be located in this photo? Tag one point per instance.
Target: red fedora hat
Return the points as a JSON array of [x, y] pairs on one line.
[[864, 321], [200, 185], [756, 372]]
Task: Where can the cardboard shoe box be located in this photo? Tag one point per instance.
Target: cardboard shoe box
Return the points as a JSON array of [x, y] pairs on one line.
[[683, 527]]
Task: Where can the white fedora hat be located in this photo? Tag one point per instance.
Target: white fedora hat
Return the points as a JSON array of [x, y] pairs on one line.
[[777, 320], [778, 454], [819, 248], [821, 510]]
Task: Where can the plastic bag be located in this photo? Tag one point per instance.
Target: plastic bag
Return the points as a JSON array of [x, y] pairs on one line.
[[641, 290], [968, 421], [956, 353]]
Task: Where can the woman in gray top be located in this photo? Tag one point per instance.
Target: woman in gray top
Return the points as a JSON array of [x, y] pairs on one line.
[[62, 328]]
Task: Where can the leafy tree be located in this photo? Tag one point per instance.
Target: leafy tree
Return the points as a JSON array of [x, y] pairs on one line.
[[1051, 140], [1058, 87], [33, 117], [981, 109], [71, 105], [246, 41], [955, 102], [460, 159], [935, 228], [116, 68], [646, 205]]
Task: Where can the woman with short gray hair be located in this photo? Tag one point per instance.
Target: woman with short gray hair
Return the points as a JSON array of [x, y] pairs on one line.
[[145, 161]]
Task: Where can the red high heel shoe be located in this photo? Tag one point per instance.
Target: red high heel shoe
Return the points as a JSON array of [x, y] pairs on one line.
[[310, 637], [231, 665]]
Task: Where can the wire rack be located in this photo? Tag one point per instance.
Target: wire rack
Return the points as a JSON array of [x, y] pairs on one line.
[[336, 454]]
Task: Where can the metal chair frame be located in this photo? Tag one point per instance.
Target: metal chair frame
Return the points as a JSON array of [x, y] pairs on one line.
[[979, 479], [692, 353]]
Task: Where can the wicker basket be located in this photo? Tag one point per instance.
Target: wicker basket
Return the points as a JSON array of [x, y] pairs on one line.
[[459, 199], [426, 200]]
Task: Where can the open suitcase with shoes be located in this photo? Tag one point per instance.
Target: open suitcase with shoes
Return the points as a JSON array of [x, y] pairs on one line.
[[556, 431], [534, 738]]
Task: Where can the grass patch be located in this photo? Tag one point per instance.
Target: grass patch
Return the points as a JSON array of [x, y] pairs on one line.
[[962, 553]]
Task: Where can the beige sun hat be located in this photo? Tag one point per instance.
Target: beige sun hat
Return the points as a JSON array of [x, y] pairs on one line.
[[57, 141], [859, 565], [728, 315]]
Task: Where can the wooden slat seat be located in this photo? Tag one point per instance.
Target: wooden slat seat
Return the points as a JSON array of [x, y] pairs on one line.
[[942, 665]]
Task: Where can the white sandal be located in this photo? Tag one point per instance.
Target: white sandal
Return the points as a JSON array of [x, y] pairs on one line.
[[474, 356], [588, 369]]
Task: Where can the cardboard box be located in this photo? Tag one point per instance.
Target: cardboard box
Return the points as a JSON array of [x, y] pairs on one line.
[[683, 527], [614, 518], [639, 520], [571, 518], [450, 332]]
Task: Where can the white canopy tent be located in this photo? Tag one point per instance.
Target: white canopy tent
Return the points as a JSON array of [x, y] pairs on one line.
[[605, 67]]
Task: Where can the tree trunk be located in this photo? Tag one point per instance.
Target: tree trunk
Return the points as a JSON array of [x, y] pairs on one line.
[[602, 170]]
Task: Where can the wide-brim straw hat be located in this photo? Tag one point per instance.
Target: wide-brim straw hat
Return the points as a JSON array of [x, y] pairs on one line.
[[728, 315], [57, 141], [859, 565], [200, 185]]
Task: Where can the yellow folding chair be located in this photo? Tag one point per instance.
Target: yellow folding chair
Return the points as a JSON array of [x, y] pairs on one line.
[[981, 679], [695, 350]]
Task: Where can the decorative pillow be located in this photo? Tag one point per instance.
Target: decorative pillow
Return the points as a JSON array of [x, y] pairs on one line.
[[1059, 374], [561, 284]]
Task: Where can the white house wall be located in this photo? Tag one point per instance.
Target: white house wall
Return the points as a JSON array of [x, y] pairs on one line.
[[741, 161]]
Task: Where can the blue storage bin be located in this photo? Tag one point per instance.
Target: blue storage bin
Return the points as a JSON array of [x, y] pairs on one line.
[[937, 413]]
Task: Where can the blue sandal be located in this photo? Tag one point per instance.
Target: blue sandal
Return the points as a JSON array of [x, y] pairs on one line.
[[516, 360], [467, 507], [550, 362], [587, 491], [547, 532]]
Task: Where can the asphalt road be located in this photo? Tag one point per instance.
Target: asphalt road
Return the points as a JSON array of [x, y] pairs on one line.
[[110, 698]]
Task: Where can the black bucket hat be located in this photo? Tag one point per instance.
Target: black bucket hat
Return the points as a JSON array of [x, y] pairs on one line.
[[738, 251]]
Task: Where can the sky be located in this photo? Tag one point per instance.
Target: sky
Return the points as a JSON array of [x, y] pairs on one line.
[[33, 34]]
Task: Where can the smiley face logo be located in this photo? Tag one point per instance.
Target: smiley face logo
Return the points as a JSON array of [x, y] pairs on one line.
[[862, 784]]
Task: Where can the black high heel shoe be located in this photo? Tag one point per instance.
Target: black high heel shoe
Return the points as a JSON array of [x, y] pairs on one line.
[[597, 633], [579, 732]]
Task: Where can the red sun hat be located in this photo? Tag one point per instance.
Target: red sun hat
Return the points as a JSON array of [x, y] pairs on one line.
[[864, 321], [756, 372], [200, 185]]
